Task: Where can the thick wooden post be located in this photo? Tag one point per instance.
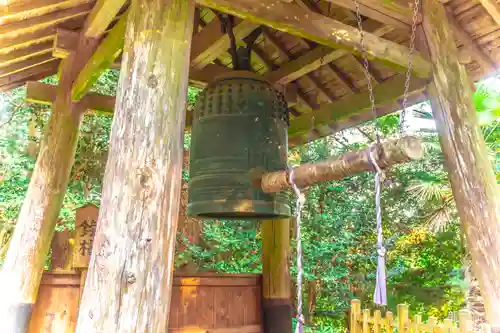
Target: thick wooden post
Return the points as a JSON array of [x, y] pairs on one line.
[[276, 276], [129, 281], [471, 173], [23, 267]]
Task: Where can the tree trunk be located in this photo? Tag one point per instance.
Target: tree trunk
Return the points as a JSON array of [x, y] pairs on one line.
[[276, 276], [23, 267], [471, 173], [129, 281]]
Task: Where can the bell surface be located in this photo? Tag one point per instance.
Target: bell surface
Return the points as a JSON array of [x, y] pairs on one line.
[[239, 131]]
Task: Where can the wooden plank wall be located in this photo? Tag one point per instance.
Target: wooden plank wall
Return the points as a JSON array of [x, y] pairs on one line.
[[201, 303]]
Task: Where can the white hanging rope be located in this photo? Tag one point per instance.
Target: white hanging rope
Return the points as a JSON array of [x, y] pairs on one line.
[[380, 294], [301, 199]]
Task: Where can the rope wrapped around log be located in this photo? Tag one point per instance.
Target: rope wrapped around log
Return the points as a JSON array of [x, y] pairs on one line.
[[386, 154]]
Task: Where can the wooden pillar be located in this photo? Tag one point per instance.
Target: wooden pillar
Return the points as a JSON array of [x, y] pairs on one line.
[[276, 276], [23, 266], [129, 281], [471, 173]]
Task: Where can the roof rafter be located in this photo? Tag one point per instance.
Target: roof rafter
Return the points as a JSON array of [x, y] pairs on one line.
[[23, 65], [354, 104], [19, 28], [314, 59], [23, 10], [484, 60], [396, 14], [39, 72], [24, 54], [493, 8], [293, 19], [212, 42]]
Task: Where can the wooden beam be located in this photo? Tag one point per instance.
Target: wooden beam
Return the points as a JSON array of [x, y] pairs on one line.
[[470, 171], [42, 93], [355, 118], [152, 146], [24, 54], [106, 53], [397, 14], [384, 93], [493, 8], [211, 42], [293, 19], [65, 42], [101, 16], [481, 56], [314, 59], [17, 29], [37, 218]]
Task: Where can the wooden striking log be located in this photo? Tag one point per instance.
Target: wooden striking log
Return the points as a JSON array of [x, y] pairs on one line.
[[276, 300], [387, 154], [471, 173], [129, 281]]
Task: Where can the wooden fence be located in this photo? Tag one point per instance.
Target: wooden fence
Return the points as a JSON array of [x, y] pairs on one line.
[[364, 321]]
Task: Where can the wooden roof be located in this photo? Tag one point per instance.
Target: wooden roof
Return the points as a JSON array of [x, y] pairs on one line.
[[312, 75]]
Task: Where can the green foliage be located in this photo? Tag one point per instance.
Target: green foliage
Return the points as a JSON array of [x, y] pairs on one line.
[[425, 252]]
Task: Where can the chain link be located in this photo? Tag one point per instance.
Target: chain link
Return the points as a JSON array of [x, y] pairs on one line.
[[366, 66], [410, 63]]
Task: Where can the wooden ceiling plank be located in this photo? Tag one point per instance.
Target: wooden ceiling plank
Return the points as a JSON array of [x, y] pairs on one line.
[[493, 8], [384, 93], [314, 59], [46, 69], [471, 45], [17, 29], [24, 54], [211, 42], [343, 79], [375, 76], [356, 118], [23, 10], [106, 53], [26, 64], [10, 44], [290, 18], [101, 16], [314, 80], [390, 13]]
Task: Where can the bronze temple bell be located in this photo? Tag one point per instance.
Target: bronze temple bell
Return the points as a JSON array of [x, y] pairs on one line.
[[239, 131]]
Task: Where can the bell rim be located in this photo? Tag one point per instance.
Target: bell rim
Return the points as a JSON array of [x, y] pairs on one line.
[[261, 210]]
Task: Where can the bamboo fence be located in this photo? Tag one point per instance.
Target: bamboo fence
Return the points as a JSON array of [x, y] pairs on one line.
[[364, 321]]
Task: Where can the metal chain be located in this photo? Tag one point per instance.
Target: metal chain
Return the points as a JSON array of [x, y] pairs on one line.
[[366, 66], [380, 295], [410, 63]]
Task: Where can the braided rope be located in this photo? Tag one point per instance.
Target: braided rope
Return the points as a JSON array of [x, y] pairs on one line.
[[301, 199], [380, 294]]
